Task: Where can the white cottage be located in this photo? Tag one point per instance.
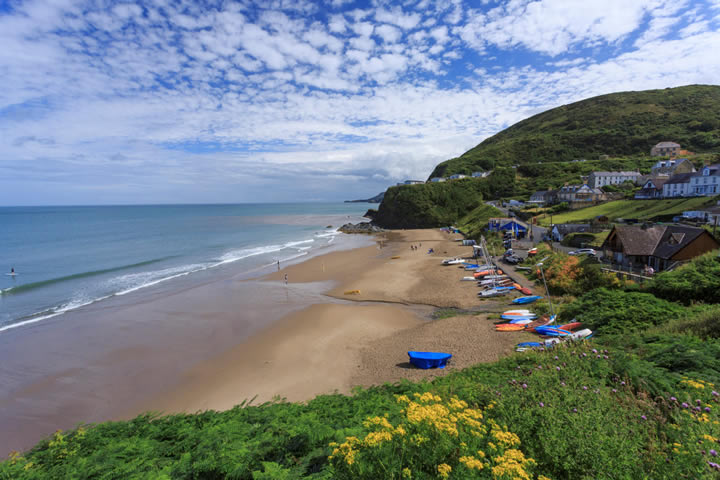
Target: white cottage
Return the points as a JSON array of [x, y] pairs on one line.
[[706, 182]]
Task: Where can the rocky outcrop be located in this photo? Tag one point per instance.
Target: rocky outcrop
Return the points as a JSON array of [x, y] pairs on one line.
[[362, 227]]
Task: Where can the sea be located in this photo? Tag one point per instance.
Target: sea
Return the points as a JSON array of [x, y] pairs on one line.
[[68, 257]]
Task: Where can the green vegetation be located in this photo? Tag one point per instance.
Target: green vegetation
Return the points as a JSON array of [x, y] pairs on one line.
[[430, 204], [697, 281], [618, 124], [608, 311], [638, 209]]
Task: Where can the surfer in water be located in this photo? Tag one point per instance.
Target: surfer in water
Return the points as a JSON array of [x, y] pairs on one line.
[[12, 270]]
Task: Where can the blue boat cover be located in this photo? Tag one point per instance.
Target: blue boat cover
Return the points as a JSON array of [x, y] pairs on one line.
[[526, 299], [530, 344], [429, 359]]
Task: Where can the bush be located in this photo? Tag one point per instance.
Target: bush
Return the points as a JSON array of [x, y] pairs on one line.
[[698, 281], [616, 311]]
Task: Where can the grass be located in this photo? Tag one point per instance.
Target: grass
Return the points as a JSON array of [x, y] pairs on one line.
[[638, 209]]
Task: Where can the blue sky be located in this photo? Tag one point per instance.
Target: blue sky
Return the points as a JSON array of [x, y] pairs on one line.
[[107, 102]]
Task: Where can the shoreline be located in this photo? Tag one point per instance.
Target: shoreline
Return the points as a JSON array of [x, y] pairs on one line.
[[213, 344]]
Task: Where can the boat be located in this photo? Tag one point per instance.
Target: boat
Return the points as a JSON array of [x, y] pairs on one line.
[[492, 271], [521, 321], [490, 281], [545, 320], [516, 318], [468, 279], [493, 292], [453, 261], [524, 290], [524, 300], [517, 312], [509, 327], [580, 334], [551, 331], [429, 359]]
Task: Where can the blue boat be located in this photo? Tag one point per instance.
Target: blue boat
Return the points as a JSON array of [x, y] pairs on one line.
[[522, 300], [552, 331], [518, 317], [429, 359]]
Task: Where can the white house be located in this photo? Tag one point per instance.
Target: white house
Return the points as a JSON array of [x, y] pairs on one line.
[[670, 167], [706, 182], [480, 174], [653, 188], [457, 176], [437, 179], [677, 186], [600, 179]]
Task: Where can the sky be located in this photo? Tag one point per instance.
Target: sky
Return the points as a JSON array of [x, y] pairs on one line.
[[105, 102]]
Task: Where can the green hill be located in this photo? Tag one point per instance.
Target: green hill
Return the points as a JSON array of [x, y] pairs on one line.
[[619, 125], [637, 209]]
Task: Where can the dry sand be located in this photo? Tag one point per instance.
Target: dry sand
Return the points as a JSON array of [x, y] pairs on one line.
[[331, 347]]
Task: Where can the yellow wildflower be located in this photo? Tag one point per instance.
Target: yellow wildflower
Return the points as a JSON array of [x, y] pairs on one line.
[[373, 439], [406, 473], [709, 438], [481, 454], [507, 439], [472, 463], [694, 384], [402, 399], [444, 470], [543, 477]]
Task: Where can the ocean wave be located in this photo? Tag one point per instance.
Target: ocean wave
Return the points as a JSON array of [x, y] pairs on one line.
[[51, 312], [75, 276]]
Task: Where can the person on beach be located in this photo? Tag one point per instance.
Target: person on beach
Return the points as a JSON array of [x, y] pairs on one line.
[[278, 265], [286, 279]]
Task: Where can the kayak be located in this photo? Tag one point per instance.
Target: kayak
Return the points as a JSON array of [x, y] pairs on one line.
[[482, 273], [551, 331], [545, 320], [523, 300], [521, 321], [509, 327], [524, 290], [517, 312]]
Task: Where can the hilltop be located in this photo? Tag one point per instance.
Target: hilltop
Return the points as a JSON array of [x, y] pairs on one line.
[[618, 124]]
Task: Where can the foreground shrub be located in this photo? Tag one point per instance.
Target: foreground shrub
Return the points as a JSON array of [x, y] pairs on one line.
[[697, 281], [616, 311], [436, 439]]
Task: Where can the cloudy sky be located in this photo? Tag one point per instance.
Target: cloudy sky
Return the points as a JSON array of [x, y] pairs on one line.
[[105, 102]]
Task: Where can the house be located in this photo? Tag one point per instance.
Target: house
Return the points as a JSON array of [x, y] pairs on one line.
[[658, 246], [665, 149], [480, 174], [579, 193], [600, 179], [653, 188], [437, 179], [457, 176], [671, 167], [561, 230], [508, 225], [713, 215], [706, 182], [677, 186], [541, 197]]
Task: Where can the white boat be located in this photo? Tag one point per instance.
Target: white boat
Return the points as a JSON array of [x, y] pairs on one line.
[[524, 311], [493, 292], [580, 334], [490, 281], [453, 261], [467, 279]]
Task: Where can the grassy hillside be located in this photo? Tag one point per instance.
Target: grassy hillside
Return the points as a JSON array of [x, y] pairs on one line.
[[640, 209], [618, 124]]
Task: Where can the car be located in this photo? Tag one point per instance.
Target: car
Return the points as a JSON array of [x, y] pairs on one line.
[[512, 259], [584, 251]]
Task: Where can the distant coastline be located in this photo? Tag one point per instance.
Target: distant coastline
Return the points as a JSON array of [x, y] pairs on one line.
[[376, 199]]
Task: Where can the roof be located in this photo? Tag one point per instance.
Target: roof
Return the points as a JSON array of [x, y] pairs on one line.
[[662, 241], [658, 182], [667, 145], [679, 178], [618, 174], [713, 210], [565, 228]]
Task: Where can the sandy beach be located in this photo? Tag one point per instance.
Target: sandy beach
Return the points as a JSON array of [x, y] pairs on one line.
[[343, 319], [389, 293]]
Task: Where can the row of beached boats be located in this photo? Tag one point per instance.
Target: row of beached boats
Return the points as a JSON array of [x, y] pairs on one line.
[[493, 282]]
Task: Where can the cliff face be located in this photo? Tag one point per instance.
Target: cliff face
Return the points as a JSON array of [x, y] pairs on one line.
[[430, 204], [619, 125]]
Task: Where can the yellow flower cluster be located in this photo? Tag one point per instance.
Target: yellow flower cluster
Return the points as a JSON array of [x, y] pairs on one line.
[[346, 449], [693, 384], [472, 462], [709, 438], [406, 473], [505, 438], [444, 470], [512, 464]]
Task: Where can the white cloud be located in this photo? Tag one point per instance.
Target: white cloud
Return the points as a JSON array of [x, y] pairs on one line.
[[388, 33], [399, 18]]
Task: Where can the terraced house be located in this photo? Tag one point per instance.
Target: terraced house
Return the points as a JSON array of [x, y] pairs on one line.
[[706, 182]]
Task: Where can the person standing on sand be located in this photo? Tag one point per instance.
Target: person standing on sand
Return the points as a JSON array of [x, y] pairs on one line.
[[286, 279], [278, 265]]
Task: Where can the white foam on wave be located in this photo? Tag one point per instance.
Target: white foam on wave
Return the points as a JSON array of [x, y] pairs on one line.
[[54, 312], [132, 282]]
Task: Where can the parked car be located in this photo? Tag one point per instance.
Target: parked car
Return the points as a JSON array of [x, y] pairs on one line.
[[512, 259], [584, 251]]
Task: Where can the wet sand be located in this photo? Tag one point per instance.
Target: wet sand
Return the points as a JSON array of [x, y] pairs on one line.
[[213, 345]]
